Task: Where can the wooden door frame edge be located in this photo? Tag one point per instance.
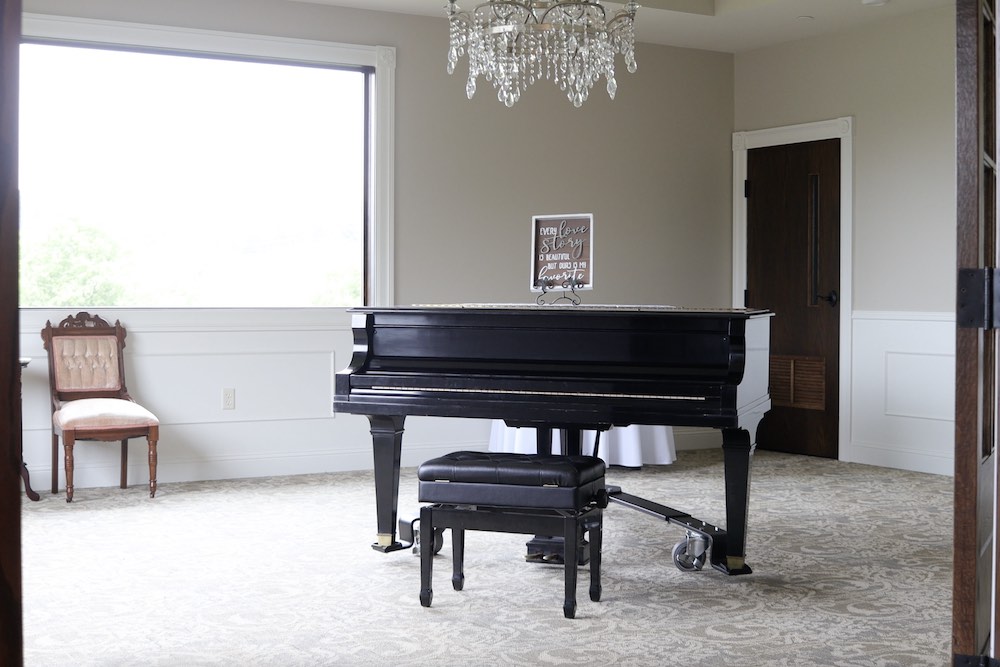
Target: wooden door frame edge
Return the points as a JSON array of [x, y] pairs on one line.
[[837, 128]]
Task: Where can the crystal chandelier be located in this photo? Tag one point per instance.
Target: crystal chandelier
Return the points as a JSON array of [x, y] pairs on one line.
[[513, 43]]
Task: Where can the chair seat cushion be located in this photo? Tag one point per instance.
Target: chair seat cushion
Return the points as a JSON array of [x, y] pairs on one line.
[[511, 480], [101, 412]]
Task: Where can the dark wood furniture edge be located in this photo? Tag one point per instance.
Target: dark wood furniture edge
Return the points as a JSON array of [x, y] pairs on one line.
[[11, 629]]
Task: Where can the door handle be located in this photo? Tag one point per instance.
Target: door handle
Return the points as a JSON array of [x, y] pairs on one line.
[[832, 298]]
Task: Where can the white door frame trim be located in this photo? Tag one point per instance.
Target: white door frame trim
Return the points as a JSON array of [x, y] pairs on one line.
[[837, 128]]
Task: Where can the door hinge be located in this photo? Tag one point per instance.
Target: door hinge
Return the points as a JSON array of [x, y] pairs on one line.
[[978, 299], [974, 661], [746, 188]]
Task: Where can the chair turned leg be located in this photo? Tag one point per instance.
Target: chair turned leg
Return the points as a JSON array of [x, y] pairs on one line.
[[571, 538], [55, 463], [123, 483], [152, 468], [68, 443], [426, 555], [457, 558], [595, 559]]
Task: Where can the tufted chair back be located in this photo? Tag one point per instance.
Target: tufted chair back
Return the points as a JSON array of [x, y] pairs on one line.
[[86, 363], [86, 355]]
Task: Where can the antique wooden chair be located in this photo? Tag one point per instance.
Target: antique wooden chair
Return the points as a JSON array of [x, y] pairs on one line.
[[89, 397]]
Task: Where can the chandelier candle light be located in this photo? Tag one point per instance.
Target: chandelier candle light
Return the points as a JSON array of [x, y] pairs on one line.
[[515, 42]]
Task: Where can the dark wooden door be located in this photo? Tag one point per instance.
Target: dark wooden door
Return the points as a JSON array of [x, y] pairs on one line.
[[793, 269], [10, 399], [973, 609]]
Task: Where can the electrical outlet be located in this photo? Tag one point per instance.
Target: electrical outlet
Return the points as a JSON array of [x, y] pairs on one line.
[[229, 398]]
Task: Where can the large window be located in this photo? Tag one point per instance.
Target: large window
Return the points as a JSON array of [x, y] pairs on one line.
[[180, 178]]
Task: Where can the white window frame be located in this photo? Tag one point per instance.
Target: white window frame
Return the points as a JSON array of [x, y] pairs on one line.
[[55, 29]]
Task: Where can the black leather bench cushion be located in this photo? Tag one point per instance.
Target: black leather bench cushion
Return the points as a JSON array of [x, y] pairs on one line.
[[511, 480], [506, 468]]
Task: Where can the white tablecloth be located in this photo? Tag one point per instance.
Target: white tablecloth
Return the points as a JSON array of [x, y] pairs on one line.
[[630, 446]]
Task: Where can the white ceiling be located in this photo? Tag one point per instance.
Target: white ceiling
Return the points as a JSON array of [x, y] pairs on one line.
[[717, 25]]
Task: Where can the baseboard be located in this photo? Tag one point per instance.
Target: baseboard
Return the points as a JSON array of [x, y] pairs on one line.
[[261, 464]]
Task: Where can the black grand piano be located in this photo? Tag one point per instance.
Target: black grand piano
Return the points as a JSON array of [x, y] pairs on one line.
[[571, 368]]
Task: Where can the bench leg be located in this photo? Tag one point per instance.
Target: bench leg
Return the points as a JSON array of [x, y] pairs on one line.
[[595, 559], [571, 532], [457, 558], [426, 554]]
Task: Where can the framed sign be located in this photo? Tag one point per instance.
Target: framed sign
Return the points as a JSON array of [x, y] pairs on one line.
[[562, 252]]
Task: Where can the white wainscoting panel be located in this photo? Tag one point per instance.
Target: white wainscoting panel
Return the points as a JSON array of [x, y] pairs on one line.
[[903, 393], [281, 364]]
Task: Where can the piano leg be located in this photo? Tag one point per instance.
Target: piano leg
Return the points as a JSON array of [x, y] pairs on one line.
[[571, 441], [543, 440], [737, 452], [387, 441]]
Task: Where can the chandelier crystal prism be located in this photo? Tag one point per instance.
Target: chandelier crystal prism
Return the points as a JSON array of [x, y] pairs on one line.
[[514, 43]]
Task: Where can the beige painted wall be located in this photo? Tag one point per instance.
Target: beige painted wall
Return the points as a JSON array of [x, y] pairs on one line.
[[897, 80], [653, 167]]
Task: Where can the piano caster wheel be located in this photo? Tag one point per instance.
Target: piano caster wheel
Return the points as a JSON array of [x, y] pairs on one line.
[[690, 553], [425, 598]]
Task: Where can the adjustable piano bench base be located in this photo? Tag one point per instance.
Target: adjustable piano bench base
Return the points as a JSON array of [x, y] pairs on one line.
[[568, 523], [513, 493], [546, 550]]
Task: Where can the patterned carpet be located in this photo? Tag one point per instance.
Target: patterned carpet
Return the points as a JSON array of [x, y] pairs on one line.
[[852, 567]]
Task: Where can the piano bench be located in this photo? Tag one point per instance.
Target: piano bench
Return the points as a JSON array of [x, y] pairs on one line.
[[513, 493]]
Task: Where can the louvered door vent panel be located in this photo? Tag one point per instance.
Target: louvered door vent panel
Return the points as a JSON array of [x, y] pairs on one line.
[[798, 382]]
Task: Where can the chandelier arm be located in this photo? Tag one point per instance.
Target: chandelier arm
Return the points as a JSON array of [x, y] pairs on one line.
[[580, 5], [619, 19], [494, 6]]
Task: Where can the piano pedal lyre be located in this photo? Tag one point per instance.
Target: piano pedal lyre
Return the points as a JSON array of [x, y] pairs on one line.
[[690, 553], [410, 534]]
